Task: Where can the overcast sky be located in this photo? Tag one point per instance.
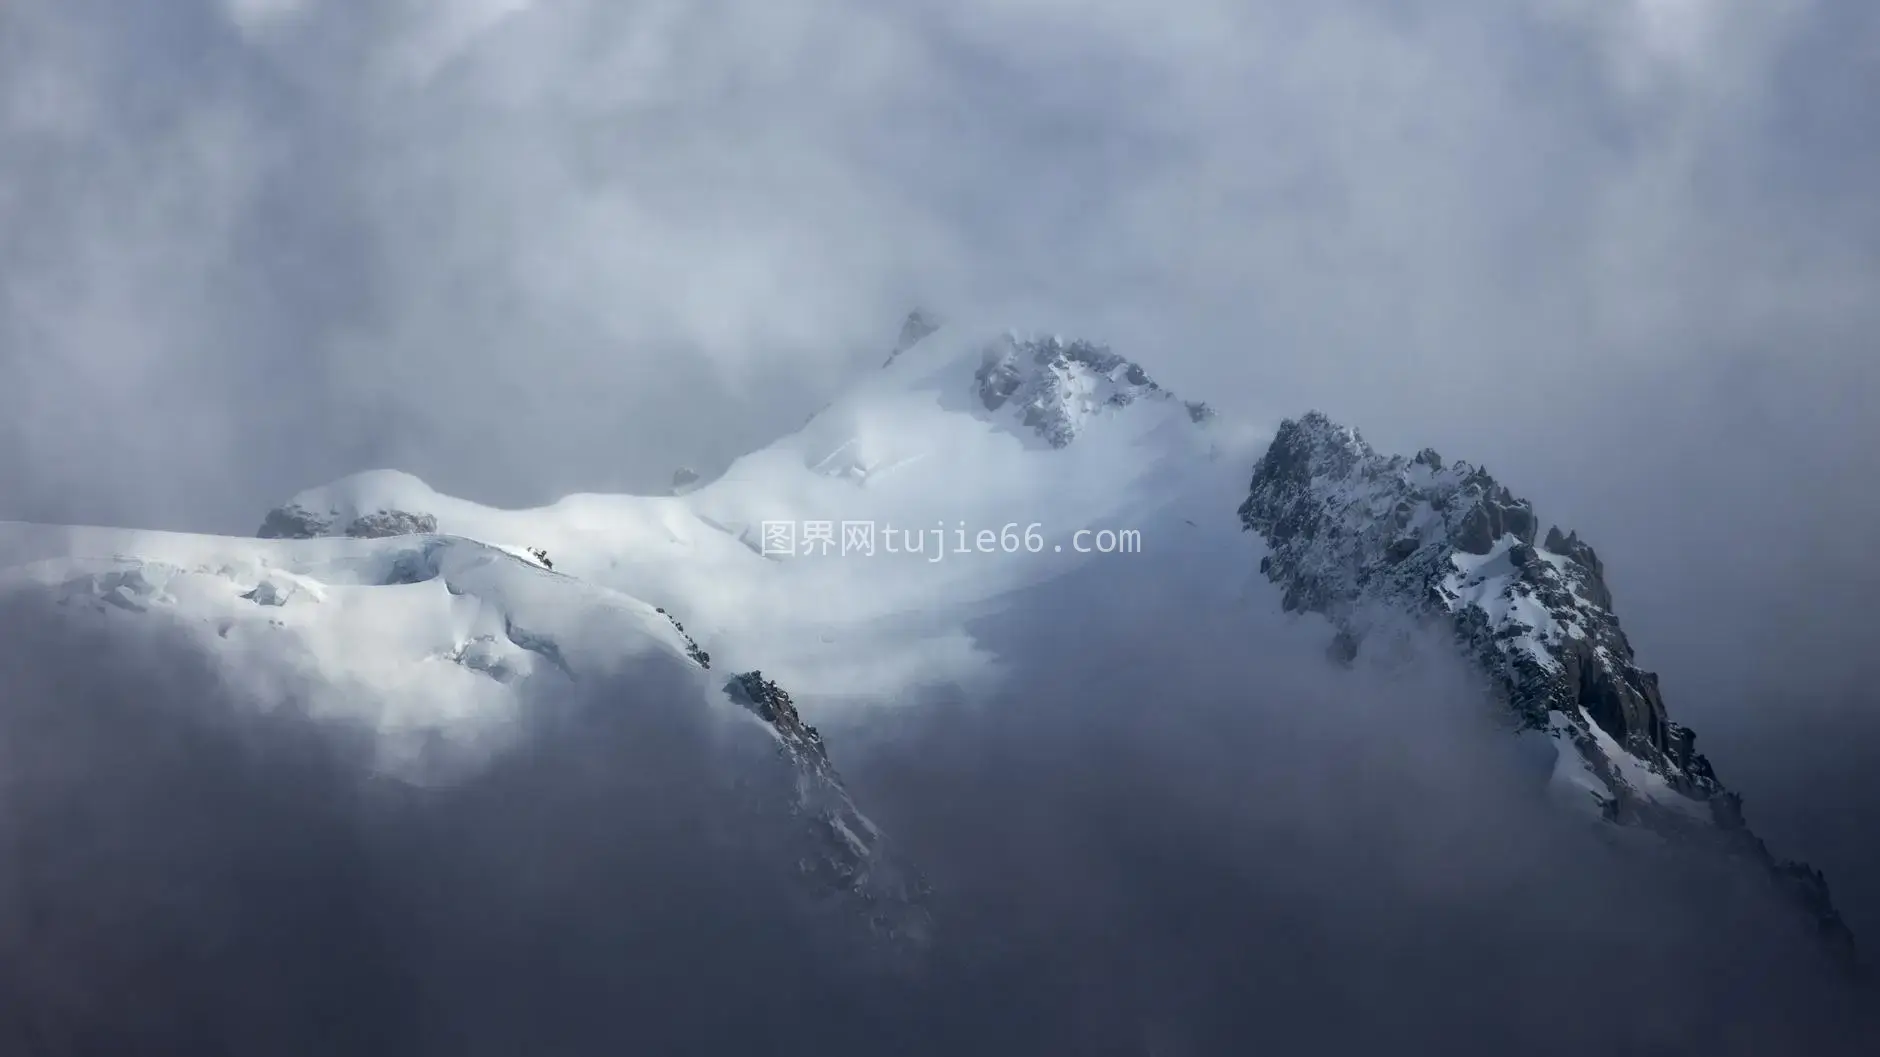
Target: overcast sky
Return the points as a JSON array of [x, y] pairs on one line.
[[1623, 251], [521, 248]]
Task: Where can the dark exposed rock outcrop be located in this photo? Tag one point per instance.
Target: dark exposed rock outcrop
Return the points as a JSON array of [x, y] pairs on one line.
[[692, 650], [292, 522], [917, 327], [384, 523], [1368, 540], [850, 853], [296, 522]]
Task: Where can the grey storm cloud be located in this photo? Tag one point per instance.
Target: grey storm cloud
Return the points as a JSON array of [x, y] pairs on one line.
[[1236, 848]]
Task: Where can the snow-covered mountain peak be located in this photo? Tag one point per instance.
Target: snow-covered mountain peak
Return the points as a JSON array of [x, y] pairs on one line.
[[423, 611], [1054, 387], [1357, 535], [1046, 389], [891, 476], [1368, 540], [1389, 501]]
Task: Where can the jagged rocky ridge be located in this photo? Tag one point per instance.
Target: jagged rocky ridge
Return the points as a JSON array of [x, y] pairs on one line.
[[1048, 385], [692, 650], [1367, 540], [850, 853], [1053, 385]]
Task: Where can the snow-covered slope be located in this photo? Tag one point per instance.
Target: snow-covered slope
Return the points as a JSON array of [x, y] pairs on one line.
[[429, 642], [426, 619], [851, 560], [929, 504], [417, 636]]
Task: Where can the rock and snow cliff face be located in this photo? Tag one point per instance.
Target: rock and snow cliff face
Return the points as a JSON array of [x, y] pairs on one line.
[[850, 856], [1367, 539], [1052, 387], [428, 616]]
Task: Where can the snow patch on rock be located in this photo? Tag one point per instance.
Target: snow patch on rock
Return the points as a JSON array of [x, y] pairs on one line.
[[1053, 388]]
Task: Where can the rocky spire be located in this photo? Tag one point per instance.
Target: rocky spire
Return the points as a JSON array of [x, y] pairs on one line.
[[1365, 539]]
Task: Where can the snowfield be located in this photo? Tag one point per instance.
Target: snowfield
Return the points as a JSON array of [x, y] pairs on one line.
[[418, 637], [430, 633]]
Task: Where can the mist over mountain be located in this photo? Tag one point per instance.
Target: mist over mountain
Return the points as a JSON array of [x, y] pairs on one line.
[[408, 774], [521, 734], [1191, 867]]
